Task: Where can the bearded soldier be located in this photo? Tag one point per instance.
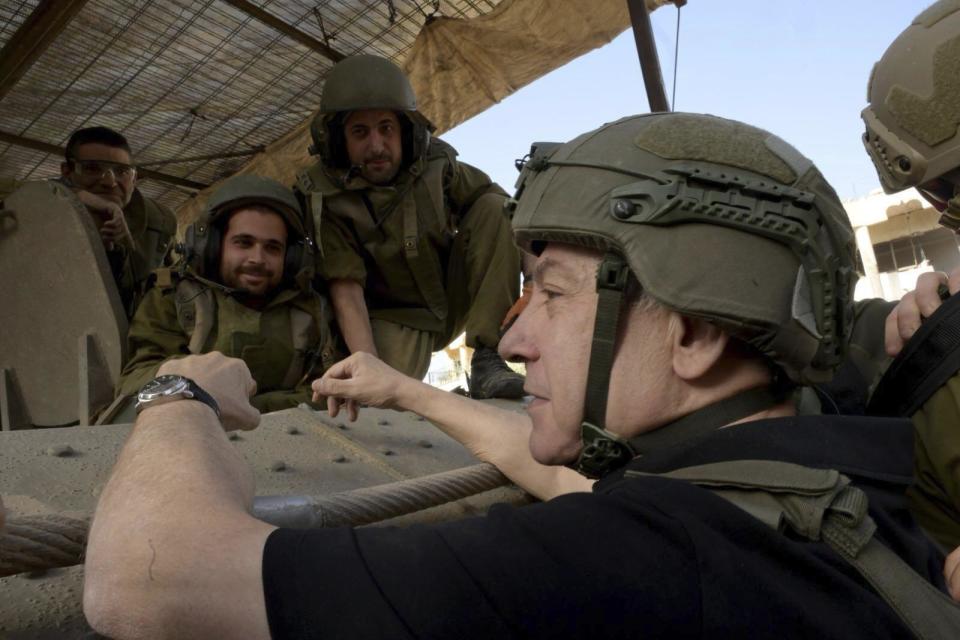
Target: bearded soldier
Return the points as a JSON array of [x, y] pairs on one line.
[[718, 513], [243, 288], [415, 244]]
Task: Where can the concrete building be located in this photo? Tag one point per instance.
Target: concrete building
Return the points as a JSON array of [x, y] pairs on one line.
[[898, 238]]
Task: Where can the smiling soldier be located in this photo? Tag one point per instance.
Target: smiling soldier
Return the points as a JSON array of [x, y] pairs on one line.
[[243, 288]]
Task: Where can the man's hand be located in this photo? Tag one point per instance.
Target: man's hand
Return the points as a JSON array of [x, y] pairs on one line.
[[112, 223], [361, 379], [228, 380], [916, 305]]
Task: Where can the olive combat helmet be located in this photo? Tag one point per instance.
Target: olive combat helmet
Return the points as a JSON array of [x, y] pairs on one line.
[[202, 240], [914, 112], [715, 219], [366, 82]]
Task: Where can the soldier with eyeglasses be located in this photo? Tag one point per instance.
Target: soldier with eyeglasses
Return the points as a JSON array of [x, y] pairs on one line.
[[136, 231]]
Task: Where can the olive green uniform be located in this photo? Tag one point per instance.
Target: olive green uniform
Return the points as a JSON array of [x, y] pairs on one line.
[[433, 251], [152, 227], [935, 495], [286, 344]]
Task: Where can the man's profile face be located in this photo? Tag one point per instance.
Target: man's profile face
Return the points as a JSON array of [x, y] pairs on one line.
[[553, 337], [102, 170], [253, 249], [374, 144]]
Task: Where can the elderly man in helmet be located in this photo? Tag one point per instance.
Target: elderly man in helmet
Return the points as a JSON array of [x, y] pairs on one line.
[[416, 248], [243, 287], [717, 514]]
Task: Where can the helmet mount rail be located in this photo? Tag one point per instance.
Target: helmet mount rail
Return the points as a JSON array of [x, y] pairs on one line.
[[693, 194]]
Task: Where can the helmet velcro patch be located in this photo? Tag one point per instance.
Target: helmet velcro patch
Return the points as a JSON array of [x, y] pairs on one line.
[[709, 139], [932, 119]]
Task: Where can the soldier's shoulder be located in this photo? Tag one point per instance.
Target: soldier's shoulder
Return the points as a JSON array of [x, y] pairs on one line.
[[441, 149], [316, 178]]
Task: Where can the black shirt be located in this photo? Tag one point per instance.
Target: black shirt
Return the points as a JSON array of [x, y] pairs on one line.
[[643, 557]]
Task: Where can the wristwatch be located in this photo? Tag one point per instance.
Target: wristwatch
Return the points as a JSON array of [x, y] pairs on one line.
[[170, 388]]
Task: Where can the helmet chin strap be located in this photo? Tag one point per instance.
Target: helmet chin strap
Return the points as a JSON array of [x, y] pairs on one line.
[[602, 451]]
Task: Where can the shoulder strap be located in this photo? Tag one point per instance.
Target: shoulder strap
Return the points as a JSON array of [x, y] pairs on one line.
[[821, 504], [312, 340], [196, 312], [930, 358], [303, 335], [426, 199]]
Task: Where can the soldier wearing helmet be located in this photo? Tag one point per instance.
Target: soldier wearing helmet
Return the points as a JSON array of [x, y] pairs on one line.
[[416, 248], [689, 271], [913, 139], [243, 287]]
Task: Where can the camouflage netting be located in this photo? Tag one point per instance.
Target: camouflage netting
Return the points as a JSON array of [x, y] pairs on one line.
[[459, 68]]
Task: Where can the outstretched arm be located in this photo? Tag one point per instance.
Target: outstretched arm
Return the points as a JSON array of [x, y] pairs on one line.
[[173, 551], [350, 309], [494, 435]]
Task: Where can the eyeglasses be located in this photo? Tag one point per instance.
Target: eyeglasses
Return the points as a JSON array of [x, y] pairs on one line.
[[98, 169]]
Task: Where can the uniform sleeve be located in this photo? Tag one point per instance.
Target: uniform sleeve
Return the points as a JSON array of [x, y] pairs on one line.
[[154, 336], [518, 572], [341, 252]]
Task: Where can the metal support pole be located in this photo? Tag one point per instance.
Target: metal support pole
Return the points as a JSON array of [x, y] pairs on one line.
[[649, 60]]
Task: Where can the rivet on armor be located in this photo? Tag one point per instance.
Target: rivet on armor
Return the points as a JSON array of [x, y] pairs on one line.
[[60, 451]]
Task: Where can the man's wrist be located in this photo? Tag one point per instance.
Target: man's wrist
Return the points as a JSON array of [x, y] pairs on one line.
[[182, 410], [167, 388]]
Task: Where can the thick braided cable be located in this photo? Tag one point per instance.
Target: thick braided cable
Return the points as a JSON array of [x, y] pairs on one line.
[[46, 542], [41, 542], [373, 504]]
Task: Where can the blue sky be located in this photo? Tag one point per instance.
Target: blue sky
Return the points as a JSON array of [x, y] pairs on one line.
[[798, 69]]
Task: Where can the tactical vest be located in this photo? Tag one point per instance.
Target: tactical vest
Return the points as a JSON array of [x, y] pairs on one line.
[[822, 505], [420, 200], [313, 348]]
